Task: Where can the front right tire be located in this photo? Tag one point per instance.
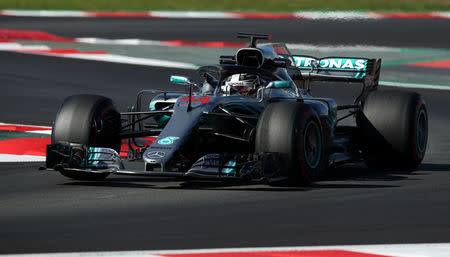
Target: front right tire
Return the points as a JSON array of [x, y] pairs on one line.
[[293, 132], [90, 120]]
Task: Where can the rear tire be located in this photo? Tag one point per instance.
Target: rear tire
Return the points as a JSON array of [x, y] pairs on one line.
[[293, 131], [90, 120], [394, 130]]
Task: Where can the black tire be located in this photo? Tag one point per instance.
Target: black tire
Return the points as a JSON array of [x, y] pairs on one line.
[[90, 120], [394, 130], [293, 131]]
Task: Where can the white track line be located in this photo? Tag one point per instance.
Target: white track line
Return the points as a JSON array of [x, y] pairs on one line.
[[344, 15], [22, 125], [444, 14], [413, 85], [100, 57], [144, 42], [191, 14], [126, 41], [21, 158], [16, 46], [44, 132], [130, 60], [329, 48], [44, 13]]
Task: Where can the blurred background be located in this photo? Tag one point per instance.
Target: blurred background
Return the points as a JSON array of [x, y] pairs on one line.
[[230, 5]]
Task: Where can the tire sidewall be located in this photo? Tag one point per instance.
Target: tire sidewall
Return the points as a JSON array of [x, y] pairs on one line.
[[307, 120], [281, 130], [416, 152]]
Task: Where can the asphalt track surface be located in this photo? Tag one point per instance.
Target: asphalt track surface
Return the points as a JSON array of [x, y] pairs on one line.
[[45, 212], [384, 32]]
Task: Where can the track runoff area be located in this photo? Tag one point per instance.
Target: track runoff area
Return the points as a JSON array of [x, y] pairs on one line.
[[15, 136]]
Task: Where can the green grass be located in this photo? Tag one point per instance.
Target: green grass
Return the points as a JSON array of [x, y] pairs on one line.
[[230, 5]]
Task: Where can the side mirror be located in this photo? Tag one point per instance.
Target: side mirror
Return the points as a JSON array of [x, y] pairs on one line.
[[186, 82], [180, 80], [279, 84]]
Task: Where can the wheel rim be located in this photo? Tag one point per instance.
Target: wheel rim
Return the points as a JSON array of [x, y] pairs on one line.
[[312, 146], [422, 131]]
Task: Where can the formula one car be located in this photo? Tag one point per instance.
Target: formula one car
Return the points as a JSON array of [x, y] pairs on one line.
[[252, 118]]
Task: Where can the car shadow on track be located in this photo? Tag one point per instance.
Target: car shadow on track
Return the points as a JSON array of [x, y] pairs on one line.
[[348, 176], [359, 172], [185, 185], [434, 167]]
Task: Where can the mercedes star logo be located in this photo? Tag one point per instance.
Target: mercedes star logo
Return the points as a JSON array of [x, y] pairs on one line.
[[155, 155]]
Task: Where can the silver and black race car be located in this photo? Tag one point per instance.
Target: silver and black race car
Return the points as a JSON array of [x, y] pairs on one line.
[[252, 118]]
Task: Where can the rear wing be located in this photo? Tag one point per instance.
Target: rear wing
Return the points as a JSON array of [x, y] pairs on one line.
[[349, 69], [332, 68], [338, 68]]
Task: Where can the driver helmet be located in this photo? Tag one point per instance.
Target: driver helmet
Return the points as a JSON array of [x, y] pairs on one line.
[[241, 83]]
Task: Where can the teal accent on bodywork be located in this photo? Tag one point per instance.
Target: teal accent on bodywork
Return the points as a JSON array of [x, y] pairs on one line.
[[230, 172], [359, 75], [179, 79], [339, 64], [280, 84], [92, 156], [152, 106], [160, 118], [167, 140], [163, 119]]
